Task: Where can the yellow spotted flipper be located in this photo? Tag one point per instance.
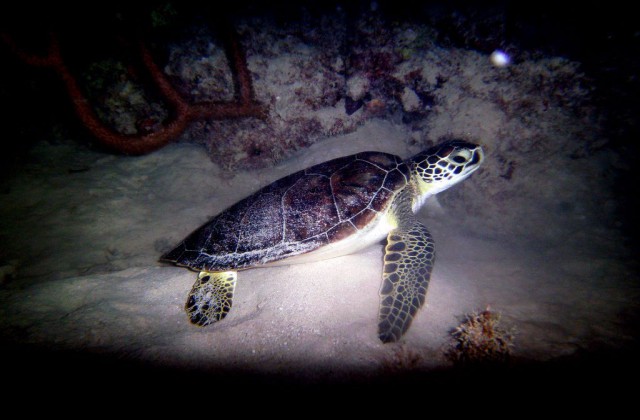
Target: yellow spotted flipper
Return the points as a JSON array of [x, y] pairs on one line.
[[211, 297]]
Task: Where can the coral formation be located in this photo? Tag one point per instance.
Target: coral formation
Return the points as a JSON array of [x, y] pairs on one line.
[[480, 339], [151, 135], [325, 74]]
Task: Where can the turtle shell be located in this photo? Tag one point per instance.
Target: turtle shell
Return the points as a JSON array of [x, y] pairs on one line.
[[296, 214]]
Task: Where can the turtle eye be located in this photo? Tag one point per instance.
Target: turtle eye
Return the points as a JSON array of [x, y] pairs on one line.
[[460, 157]]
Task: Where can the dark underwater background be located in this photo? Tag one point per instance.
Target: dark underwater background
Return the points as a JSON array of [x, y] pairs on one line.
[[544, 234]]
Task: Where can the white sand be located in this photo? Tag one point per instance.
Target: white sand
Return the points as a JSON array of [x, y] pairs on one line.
[[82, 232]]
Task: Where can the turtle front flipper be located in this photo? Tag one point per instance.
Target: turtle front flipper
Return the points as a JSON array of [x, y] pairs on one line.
[[211, 297], [408, 262]]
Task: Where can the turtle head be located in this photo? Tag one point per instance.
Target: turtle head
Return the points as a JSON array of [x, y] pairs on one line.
[[442, 166]]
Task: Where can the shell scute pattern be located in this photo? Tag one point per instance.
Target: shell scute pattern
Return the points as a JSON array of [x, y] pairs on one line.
[[309, 192], [354, 186], [296, 214]]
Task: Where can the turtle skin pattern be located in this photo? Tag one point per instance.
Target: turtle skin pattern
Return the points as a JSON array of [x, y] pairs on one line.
[[211, 297], [407, 269], [408, 262]]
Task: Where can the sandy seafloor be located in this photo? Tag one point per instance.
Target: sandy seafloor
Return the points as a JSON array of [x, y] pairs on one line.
[[88, 294]]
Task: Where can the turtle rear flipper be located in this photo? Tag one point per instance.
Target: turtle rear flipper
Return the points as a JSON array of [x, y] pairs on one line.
[[408, 262], [211, 297]]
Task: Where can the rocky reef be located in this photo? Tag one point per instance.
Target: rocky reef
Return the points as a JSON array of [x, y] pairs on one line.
[[316, 72]]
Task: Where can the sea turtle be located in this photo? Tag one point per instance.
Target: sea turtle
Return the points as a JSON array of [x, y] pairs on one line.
[[328, 210]]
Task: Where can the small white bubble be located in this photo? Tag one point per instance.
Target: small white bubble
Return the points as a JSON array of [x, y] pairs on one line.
[[500, 58]]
